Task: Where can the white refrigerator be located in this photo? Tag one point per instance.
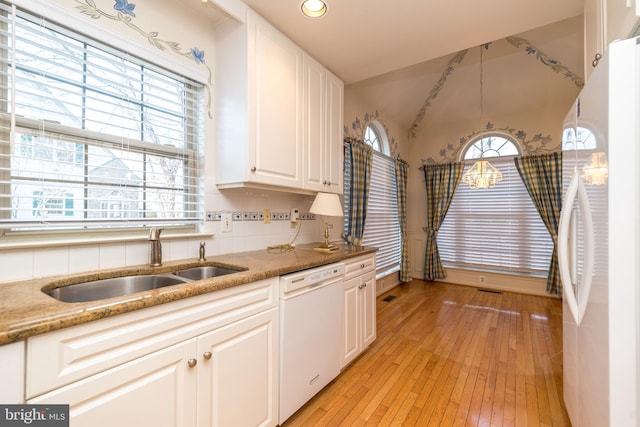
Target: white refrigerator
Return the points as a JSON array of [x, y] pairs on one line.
[[598, 244]]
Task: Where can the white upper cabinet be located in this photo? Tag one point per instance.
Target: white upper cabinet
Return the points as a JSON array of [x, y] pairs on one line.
[[323, 122], [604, 22], [259, 105], [276, 109]]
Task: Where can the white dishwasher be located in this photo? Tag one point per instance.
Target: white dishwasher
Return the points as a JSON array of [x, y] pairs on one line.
[[310, 323]]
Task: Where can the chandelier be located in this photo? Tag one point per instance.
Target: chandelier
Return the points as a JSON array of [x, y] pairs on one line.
[[596, 171], [482, 175]]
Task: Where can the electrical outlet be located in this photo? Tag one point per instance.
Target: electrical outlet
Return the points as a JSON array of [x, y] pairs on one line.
[[226, 226], [267, 215], [294, 216], [482, 280]]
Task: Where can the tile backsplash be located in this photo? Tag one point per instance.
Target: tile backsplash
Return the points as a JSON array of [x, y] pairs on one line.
[[249, 232]]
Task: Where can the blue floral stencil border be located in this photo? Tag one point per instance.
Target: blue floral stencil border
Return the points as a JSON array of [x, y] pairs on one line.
[[517, 42], [358, 127], [435, 90], [125, 13], [535, 145]]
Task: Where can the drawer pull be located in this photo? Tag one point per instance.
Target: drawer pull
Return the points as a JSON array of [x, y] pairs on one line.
[[207, 355], [192, 363], [361, 265]]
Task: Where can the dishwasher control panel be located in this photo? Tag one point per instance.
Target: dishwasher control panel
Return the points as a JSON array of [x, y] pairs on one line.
[[311, 277]]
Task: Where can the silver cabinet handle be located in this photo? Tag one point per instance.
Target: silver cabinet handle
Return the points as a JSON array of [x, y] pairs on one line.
[[206, 355], [192, 363], [596, 59]]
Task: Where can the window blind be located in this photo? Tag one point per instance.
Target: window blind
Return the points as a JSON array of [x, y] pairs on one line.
[[91, 136], [495, 229], [381, 229]]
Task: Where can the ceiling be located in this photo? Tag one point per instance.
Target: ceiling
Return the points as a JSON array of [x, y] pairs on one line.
[[360, 39]]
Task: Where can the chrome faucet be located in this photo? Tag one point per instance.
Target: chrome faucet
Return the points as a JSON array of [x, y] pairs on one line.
[[201, 252], [155, 251]]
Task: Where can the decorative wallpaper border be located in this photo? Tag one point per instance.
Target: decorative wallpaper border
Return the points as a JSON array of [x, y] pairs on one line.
[[535, 145], [125, 14], [358, 128], [435, 90], [547, 60], [457, 59]]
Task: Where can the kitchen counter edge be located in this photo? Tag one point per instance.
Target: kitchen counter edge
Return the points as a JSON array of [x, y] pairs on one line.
[[26, 311]]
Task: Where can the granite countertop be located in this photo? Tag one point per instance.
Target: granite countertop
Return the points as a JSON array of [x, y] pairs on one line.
[[27, 311]]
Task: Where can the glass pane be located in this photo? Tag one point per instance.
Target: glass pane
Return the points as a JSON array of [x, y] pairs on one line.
[[371, 138], [491, 146]]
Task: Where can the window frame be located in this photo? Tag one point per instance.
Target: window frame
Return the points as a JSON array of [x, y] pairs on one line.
[[58, 16]]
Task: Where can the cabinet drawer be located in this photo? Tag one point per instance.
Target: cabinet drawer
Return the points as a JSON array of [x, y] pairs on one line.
[[70, 354], [358, 266]]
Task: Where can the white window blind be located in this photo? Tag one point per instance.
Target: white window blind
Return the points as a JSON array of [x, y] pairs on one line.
[[381, 229], [495, 229], [91, 136]]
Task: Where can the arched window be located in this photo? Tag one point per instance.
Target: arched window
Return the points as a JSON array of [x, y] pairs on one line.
[[496, 228], [578, 139], [381, 229]]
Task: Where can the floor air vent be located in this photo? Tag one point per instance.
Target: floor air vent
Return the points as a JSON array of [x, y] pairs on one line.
[[490, 291], [389, 298]]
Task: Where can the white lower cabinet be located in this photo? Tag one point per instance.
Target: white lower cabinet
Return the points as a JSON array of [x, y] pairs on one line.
[[238, 385], [12, 373], [359, 308], [222, 371], [158, 389]]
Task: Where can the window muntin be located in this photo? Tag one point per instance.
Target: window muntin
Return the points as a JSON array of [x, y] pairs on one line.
[[371, 137], [496, 229], [89, 122], [490, 146], [578, 139]]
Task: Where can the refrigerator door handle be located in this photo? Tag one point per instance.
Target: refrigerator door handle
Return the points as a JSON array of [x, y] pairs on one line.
[[577, 304]]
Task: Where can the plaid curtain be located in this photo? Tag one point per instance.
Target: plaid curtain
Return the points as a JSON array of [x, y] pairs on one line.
[[441, 181], [359, 155], [402, 169], [542, 176]]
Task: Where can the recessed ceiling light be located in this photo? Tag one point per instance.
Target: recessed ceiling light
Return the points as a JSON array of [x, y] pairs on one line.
[[313, 8]]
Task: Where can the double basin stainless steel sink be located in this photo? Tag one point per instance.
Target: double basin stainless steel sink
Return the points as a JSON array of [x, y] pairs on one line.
[[126, 285]]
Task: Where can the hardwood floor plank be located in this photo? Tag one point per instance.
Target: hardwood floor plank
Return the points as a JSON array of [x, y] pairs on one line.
[[449, 355]]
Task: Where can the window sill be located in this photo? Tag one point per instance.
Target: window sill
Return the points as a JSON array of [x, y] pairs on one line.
[[93, 238]]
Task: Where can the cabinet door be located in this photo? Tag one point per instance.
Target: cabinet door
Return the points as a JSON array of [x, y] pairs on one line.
[[12, 373], [154, 390], [314, 124], [275, 153], [334, 151], [350, 321], [368, 308], [595, 33], [238, 383], [323, 133]]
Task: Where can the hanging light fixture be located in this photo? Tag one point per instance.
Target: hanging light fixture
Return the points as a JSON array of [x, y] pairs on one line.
[[596, 172], [313, 8], [482, 174]]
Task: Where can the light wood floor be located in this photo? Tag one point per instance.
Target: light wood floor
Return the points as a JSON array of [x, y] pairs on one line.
[[450, 355]]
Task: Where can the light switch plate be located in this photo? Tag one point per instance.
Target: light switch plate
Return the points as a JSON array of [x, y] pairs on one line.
[[226, 224]]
